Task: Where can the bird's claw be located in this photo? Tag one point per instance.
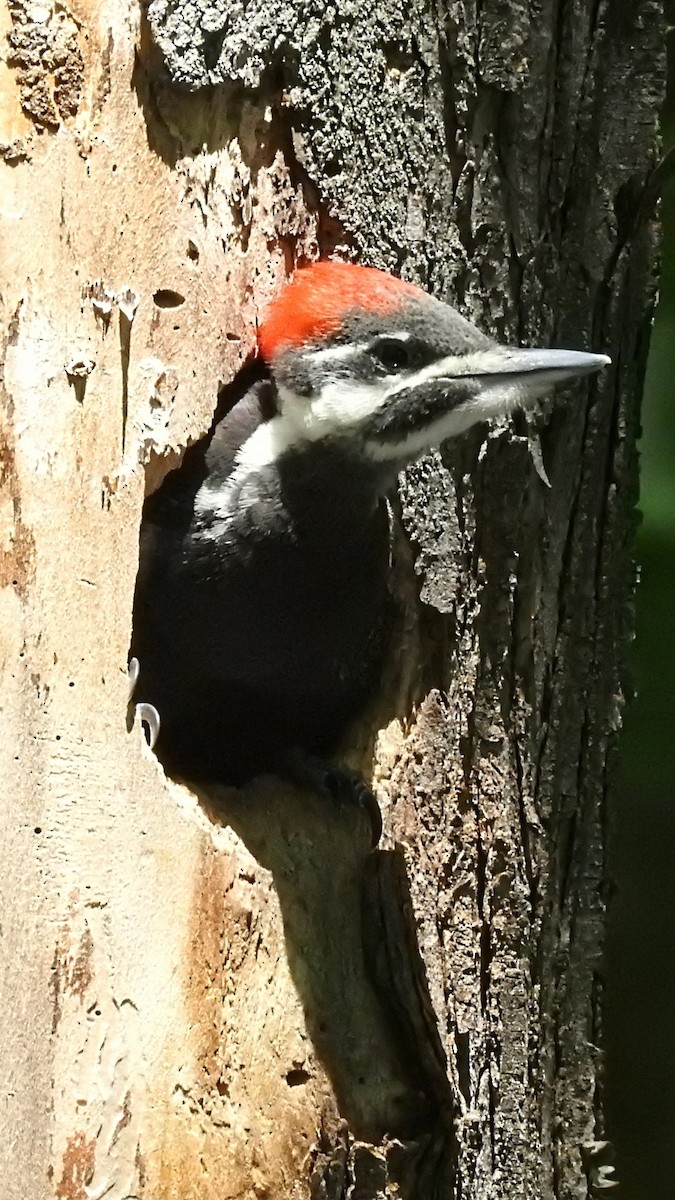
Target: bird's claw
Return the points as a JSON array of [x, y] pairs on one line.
[[147, 713], [134, 671]]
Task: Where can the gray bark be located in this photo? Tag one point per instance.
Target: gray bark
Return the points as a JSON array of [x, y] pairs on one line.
[[321, 1021]]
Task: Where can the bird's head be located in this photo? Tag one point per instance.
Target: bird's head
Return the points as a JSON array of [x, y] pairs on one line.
[[363, 357]]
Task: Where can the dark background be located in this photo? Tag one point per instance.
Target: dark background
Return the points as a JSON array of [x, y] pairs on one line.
[[640, 977]]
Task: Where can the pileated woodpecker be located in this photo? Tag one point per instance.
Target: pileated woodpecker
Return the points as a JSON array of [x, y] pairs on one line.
[[264, 558]]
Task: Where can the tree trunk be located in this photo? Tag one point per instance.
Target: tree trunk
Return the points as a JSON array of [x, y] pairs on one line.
[[226, 995]]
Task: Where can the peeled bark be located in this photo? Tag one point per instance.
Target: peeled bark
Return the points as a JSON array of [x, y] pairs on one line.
[[226, 995]]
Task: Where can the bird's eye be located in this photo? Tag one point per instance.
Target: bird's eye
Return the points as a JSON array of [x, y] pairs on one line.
[[392, 353]]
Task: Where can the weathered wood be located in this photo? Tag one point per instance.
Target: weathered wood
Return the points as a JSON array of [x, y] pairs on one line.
[[226, 995]]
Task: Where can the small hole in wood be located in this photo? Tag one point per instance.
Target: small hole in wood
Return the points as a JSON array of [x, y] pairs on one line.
[[297, 1077], [167, 298]]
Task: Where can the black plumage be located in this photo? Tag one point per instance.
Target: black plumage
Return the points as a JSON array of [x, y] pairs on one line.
[[262, 586], [264, 637]]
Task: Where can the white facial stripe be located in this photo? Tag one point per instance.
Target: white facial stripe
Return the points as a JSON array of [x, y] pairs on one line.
[[340, 405], [451, 367], [265, 445], [262, 448], [497, 399], [482, 362], [343, 406], [344, 353], [336, 353]]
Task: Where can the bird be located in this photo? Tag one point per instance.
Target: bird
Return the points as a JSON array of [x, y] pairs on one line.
[[264, 570]]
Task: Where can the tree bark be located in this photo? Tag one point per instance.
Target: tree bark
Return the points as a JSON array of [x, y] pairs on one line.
[[226, 995]]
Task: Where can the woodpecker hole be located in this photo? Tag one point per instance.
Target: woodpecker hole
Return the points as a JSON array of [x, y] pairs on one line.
[[193, 251], [297, 1077], [167, 298]]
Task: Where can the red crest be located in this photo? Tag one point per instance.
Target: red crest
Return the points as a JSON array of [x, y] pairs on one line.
[[318, 299]]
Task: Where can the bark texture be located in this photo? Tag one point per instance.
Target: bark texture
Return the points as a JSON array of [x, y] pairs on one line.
[[226, 995]]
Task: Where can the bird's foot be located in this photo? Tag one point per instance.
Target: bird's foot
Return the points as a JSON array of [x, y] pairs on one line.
[[134, 670], [149, 717], [340, 784], [147, 713]]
